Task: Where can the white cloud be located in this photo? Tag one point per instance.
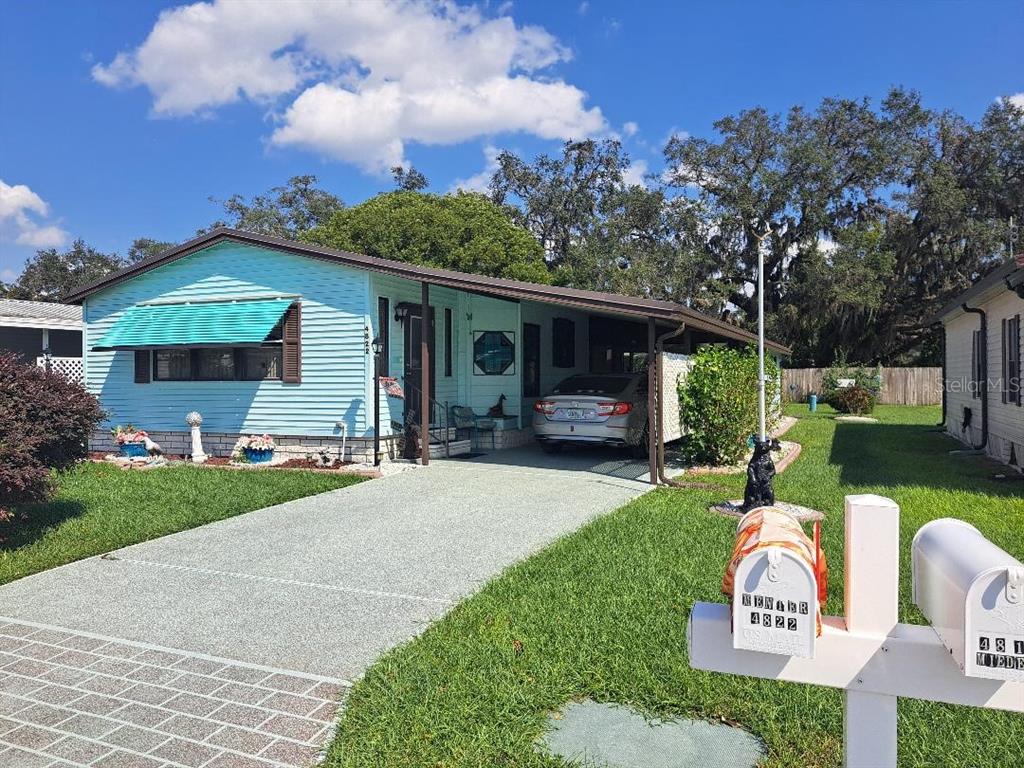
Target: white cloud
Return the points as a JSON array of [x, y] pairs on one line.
[[634, 174], [359, 80], [8, 275], [479, 182], [1017, 100], [630, 128], [20, 211]]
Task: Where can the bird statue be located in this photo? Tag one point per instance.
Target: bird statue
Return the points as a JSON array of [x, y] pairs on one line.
[[498, 409]]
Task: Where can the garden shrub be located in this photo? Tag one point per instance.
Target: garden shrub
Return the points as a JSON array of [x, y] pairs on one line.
[[855, 400], [45, 422], [864, 377], [718, 403]]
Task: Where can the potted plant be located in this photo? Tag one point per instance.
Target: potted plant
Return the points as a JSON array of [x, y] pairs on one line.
[[254, 449], [131, 441]]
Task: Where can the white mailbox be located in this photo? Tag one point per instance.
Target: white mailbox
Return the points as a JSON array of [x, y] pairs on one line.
[[775, 604], [972, 592]]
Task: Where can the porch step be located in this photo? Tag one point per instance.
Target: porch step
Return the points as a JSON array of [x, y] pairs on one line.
[[455, 448]]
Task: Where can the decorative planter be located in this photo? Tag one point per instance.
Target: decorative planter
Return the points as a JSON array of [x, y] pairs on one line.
[[134, 450], [258, 455]]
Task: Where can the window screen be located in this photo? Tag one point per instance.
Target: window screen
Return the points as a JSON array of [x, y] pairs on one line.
[[563, 342]]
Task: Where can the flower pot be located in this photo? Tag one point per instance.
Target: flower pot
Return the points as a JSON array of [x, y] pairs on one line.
[[134, 450], [258, 455]]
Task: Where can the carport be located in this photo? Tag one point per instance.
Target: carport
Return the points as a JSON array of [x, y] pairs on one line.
[[623, 333]]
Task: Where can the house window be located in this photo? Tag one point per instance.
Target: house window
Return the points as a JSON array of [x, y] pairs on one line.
[[218, 364], [494, 353], [447, 341], [260, 363], [172, 365], [563, 343], [384, 333], [1011, 360], [214, 364], [278, 358]]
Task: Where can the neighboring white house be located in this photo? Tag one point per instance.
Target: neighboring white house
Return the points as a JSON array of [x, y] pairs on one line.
[[984, 396], [33, 329]]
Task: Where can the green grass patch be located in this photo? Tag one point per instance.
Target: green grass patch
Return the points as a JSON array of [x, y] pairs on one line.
[[602, 613], [99, 508]]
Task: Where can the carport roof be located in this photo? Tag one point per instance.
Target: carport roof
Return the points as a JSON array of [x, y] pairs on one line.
[[593, 301]]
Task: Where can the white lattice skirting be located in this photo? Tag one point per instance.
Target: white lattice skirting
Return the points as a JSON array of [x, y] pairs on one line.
[[69, 367]]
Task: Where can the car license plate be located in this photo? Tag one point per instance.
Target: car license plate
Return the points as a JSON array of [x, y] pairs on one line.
[[574, 413]]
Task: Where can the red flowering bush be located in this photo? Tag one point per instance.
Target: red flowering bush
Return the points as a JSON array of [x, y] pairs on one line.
[[45, 422]]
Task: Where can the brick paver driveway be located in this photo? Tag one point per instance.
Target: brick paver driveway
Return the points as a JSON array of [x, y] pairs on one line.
[[75, 699], [229, 645]]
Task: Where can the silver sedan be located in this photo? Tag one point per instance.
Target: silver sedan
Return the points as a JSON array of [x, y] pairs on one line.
[[595, 408]]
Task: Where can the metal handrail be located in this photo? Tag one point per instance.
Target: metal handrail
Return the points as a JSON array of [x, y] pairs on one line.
[[444, 436]]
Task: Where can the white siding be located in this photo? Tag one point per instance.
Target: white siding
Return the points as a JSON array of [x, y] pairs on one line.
[[1005, 420], [334, 361]]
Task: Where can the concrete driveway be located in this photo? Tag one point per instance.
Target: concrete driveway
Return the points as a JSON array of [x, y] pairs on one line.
[[324, 584], [246, 627]]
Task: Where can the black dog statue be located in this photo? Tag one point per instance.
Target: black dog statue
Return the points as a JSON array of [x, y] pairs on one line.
[[411, 439], [760, 471]]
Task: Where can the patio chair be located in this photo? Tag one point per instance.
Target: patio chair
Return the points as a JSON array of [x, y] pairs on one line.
[[465, 420]]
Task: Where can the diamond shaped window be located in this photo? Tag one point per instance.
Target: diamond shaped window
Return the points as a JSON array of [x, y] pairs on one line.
[[494, 353]]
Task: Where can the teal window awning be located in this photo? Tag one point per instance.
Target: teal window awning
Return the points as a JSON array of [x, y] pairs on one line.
[[200, 324]]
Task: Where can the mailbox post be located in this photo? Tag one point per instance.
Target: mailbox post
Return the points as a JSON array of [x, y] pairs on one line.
[[868, 653]]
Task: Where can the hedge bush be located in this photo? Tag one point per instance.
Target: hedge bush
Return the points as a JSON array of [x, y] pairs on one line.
[[45, 422], [855, 400], [718, 403]]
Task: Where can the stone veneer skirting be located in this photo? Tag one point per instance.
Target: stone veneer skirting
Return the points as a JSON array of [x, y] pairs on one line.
[[357, 449]]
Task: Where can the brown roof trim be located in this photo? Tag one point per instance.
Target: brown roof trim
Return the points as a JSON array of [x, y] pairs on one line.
[[612, 303], [997, 278]]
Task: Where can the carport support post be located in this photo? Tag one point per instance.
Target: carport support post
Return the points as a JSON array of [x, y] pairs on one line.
[[425, 363], [652, 401]]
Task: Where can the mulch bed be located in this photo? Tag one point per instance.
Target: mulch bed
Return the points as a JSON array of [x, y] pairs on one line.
[[312, 464], [782, 459]]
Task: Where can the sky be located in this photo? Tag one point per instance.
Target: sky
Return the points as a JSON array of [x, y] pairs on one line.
[[121, 119]]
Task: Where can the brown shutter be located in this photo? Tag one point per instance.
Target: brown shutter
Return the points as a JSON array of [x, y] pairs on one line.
[[1015, 367], [1006, 361], [142, 367], [291, 354]]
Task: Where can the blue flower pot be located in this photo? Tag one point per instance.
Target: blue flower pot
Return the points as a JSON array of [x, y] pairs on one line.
[[258, 455], [133, 450]]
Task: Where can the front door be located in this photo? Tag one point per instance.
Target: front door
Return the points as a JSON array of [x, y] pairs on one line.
[[414, 361], [531, 370]]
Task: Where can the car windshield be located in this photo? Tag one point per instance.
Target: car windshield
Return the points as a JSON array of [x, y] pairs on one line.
[[593, 385]]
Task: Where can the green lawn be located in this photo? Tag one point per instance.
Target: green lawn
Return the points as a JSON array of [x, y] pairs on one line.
[[602, 613], [99, 508]]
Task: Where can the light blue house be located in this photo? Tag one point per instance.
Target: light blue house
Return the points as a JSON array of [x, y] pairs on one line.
[[263, 335]]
